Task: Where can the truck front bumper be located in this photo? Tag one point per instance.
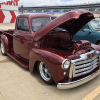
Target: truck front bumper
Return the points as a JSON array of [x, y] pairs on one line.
[[78, 82]]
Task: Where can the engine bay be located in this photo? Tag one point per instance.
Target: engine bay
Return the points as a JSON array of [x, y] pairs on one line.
[[62, 40]]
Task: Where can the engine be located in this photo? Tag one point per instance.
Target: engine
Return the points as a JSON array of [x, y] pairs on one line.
[[81, 46]]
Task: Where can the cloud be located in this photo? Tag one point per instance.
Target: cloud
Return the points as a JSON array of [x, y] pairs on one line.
[[51, 2]]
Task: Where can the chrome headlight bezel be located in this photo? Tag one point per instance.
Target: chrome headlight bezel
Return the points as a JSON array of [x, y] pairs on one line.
[[65, 64]]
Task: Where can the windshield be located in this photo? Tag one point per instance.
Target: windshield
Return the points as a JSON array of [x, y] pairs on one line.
[[37, 23], [95, 24]]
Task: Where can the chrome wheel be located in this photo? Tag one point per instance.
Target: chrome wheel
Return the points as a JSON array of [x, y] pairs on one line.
[[45, 73], [2, 48]]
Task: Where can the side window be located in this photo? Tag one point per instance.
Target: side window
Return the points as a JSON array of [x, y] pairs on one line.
[[22, 24], [84, 27]]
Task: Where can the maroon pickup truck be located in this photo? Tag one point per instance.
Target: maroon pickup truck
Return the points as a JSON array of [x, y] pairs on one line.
[[45, 42]]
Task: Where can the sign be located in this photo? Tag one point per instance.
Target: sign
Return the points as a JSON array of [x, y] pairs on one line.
[[7, 16], [12, 2]]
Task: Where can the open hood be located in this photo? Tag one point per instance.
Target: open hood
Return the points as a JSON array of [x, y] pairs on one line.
[[72, 21]]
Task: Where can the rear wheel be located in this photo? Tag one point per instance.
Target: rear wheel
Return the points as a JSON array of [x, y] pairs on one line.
[[45, 73], [3, 49]]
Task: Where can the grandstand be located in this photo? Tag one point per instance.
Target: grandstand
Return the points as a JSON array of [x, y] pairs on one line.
[[61, 9]]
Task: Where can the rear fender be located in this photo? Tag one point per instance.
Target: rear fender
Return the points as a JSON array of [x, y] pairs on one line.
[[4, 40], [0, 34]]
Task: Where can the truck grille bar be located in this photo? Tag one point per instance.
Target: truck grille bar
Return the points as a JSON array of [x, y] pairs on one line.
[[84, 65]]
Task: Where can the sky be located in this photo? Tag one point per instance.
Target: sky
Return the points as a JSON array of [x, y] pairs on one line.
[[52, 2]]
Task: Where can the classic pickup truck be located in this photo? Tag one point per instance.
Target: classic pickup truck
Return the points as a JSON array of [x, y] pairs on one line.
[[41, 41]]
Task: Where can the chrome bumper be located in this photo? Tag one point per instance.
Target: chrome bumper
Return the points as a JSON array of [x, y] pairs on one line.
[[78, 82]]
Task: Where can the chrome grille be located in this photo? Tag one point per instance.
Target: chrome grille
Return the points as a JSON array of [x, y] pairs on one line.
[[84, 65]]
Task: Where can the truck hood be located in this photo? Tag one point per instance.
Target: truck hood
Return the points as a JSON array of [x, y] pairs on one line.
[[72, 21]]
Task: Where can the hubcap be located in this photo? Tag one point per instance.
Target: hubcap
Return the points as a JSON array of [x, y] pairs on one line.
[[44, 72], [2, 48]]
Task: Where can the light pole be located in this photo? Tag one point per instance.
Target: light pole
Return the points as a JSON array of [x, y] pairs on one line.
[[22, 8]]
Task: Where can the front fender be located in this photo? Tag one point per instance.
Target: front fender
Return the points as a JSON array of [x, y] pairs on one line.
[[52, 61]]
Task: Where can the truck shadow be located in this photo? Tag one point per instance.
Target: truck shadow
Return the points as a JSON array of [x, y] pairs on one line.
[[5, 61]]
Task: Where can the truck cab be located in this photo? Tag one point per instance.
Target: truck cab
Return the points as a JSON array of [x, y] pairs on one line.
[[26, 26]]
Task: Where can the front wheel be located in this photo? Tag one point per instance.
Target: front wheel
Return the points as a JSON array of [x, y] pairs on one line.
[[45, 73], [3, 49]]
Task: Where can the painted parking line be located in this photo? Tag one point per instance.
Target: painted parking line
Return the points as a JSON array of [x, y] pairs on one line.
[[93, 94], [2, 97]]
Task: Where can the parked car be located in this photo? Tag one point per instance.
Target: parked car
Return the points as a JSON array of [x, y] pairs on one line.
[[41, 41], [90, 32]]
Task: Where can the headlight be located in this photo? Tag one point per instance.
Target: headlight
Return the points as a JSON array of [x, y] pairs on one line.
[[65, 64]]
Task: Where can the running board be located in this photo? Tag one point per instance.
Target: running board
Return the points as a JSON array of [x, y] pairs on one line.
[[17, 59]]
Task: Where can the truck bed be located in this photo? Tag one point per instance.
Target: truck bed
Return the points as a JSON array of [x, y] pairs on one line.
[[9, 32]]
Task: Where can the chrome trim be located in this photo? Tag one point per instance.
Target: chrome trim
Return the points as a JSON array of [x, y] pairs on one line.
[[98, 52], [86, 72], [86, 61], [86, 65], [86, 68], [83, 56], [71, 71], [78, 82], [64, 62], [99, 60], [83, 65], [74, 71], [14, 34], [2, 48]]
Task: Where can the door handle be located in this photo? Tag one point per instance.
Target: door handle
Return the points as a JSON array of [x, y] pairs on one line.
[[14, 35], [29, 41]]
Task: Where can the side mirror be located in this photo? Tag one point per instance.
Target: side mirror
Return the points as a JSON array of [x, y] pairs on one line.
[[87, 30]]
